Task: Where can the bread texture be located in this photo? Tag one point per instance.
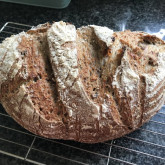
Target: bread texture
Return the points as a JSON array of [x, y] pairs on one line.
[[89, 84]]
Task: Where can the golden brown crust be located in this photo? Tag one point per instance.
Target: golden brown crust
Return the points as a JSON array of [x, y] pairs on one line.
[[119, 85]]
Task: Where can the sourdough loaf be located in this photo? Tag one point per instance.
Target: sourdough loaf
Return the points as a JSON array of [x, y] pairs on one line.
[[88, 85]]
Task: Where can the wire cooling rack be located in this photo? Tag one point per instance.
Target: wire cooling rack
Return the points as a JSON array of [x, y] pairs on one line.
[[145, 146]]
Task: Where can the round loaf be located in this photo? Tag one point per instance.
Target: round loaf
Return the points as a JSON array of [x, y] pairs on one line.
[[88, 85]]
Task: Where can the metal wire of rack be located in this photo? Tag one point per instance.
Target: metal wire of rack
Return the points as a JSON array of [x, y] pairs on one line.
[[143, 146]]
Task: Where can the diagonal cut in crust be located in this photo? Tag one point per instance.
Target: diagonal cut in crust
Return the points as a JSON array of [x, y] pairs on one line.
[[88, 84]]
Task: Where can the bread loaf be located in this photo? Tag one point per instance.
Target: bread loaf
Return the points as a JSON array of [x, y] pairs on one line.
[[88, 85]]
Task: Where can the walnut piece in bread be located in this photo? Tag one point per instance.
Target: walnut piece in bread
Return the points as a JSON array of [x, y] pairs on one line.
[[88, 84]]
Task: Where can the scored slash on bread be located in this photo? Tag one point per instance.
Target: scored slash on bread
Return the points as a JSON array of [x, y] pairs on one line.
[[88, 85]]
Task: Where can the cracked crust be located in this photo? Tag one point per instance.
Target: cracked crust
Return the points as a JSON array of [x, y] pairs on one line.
[[88, 85]]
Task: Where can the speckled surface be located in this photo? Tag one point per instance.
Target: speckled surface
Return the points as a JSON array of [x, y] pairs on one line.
[[144, 146]]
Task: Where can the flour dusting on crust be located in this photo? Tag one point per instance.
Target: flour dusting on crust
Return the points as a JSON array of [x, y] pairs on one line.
[[62, 42], [10, 57]]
